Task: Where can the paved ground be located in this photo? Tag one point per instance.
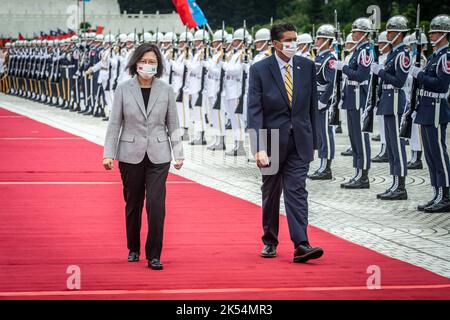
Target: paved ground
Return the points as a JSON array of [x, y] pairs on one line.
[[395, 229]]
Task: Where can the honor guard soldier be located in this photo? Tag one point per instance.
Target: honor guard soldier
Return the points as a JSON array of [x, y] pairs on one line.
[[325, 85], [262, 45], [354, 99], [304, 45], [433, 113], [392, 103], [384, 49], [215, 89], [168, 51], [415, 142], [234, 69]]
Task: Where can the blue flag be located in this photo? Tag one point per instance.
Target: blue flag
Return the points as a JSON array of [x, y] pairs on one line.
[[197, 13]]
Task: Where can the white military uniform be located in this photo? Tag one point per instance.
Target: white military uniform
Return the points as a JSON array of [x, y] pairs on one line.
[[104, 77], [124, 73], [214, 68], [193, 82], [177, 82], [233, 89]]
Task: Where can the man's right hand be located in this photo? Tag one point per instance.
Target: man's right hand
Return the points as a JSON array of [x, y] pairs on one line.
[[108, 163], [262, 160]]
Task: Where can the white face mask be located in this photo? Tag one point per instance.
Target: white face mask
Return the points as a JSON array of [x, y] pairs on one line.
[[147, 71], [289, 48]]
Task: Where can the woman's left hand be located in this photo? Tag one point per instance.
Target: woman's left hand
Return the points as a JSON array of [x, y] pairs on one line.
[[178, 164]]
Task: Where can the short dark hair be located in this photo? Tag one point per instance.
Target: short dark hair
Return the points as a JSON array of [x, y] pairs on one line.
[[277, 30], [139, 53]]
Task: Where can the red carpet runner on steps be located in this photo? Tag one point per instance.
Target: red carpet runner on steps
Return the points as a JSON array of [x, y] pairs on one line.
[[59, 207]]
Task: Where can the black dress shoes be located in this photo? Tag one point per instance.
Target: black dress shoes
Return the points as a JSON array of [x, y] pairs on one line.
[[305, 252], [347, 153], [133, 256], [155, 264], [269, 251]]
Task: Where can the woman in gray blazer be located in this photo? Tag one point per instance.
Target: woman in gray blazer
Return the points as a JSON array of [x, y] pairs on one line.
[[143, 131]]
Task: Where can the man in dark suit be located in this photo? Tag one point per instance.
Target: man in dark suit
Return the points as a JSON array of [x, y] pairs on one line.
[[282, 102]]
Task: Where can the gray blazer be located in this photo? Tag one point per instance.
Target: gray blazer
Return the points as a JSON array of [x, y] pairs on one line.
[[133, 131]]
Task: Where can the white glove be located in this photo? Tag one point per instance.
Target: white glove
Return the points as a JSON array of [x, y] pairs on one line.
[[414, 114], [338, 65], [375, 68], [321, 105], [341, 103], [415, 71]]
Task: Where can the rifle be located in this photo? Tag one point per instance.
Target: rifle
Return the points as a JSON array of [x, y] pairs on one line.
[[334, 107], [240, 106], [180, 92], [199, 101], [173, 59], [372, 97], [222, 72], [406, 123]]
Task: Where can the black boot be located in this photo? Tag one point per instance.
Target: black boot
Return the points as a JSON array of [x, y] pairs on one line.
[[421, 207], [388, 189], [398, 191], [324, 174], [442, 202], [360, 182], [416, 161], [88, 112], [351, 179], [382, 156], [348, 152]]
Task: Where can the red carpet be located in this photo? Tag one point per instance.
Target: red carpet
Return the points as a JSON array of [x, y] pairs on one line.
[[59, 207]]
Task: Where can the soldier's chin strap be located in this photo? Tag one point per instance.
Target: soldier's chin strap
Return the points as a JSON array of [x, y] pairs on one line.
[[358, 42], [391, 43], [319, 49], [434, 43], [261, 48]]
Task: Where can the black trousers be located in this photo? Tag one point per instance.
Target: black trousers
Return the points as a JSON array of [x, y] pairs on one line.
[[145, 180], [291, 179]]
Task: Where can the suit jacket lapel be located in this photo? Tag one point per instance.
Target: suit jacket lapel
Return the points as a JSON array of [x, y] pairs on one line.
[[135, 89], [297, 79], [278, 77], [154, 94]]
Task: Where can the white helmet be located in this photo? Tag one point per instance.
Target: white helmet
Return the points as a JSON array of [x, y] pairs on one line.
[[201, 35], [186, 37], [74, 38], [38, 42], [362, 25], [146, 37], [220, 35], [109, 38], [123, 38], [262, 34], [91, 35], [229, 38], [131, 37], [50, 43], [157, 37], [325, 31], [169, 37], [423, 38], [239, 34], [407, 40], [99, 37], [304, 38], [8, 45], [382, 37]]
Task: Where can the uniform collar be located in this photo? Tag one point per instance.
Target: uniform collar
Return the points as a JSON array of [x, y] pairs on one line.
[[397, 47], [440, 49], [362, 44], [324, 51]]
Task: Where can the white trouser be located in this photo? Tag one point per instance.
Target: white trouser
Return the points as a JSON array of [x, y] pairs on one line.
[[217, 117], [183, 111], [237, 120]]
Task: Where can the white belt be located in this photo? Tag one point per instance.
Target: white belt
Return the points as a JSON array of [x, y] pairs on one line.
[[356, 83], [389, 86], [429, 94]]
